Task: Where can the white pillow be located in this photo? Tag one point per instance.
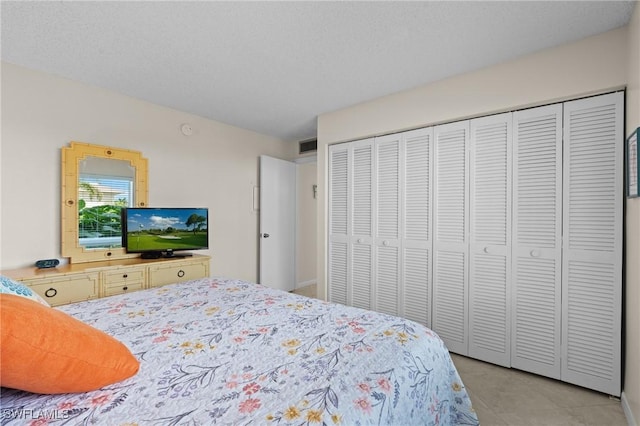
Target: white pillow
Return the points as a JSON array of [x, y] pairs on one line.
[[9, 286]]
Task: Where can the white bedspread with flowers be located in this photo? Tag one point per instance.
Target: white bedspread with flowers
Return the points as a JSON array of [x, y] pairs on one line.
[[222, 351]]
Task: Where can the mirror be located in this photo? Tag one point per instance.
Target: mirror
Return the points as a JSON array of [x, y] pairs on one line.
[[105, 186], [97, 182]]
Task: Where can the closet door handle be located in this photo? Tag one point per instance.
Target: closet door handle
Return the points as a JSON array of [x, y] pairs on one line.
[[385, 243], [359, 240], [535, 253], [486, 250]]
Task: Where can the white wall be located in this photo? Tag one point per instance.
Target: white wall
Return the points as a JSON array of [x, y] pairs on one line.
[[631, 395], [306, 241], [216, 167]]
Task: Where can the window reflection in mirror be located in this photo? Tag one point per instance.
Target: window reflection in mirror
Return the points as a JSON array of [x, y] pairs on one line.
[[89, 176], [105, 186]]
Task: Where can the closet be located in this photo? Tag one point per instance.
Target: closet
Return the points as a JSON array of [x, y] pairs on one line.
[[379, 224], [502, 233]]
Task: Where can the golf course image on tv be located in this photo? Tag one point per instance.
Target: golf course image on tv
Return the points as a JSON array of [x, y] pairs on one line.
[[165, 229]]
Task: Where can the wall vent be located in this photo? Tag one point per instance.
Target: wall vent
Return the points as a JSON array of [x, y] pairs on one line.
[[310, 145]]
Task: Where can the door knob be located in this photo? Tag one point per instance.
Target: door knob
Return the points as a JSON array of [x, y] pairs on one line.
[[265, 235]]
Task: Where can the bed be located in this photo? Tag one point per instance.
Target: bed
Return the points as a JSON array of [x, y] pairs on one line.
[[225, 351]]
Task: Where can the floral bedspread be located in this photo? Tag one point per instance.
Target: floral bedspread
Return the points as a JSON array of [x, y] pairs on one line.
[[221, 351]]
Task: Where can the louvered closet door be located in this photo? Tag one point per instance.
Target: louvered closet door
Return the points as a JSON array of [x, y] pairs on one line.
[[537, 239], [490, 239], [450, 256], [338, 223], [361, 233], [387, 236], [417, 148], [592, 256]]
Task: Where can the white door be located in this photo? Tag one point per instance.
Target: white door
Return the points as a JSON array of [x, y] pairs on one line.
[[277, 223], [451, 227], [338, 223], [416, 265], [537, 240], [361, 226], [387, 224], [490, 239], [592, 252]]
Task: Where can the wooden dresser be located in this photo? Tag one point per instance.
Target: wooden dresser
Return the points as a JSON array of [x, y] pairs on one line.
[[82, 281]]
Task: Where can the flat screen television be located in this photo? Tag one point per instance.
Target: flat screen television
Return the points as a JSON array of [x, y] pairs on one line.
[[162, 231]]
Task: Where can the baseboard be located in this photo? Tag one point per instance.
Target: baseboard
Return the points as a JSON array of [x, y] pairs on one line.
[[306, 283], [631, 421]]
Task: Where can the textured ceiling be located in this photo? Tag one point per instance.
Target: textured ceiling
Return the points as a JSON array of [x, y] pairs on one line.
[[273, 67]]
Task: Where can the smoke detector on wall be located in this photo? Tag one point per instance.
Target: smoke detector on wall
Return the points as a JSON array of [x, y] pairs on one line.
[[186, 129]]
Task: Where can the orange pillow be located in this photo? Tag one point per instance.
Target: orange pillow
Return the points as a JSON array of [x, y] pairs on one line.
[[44, 350]]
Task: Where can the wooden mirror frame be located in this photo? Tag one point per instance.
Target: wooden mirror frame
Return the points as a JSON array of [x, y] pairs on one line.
[[71, 158]]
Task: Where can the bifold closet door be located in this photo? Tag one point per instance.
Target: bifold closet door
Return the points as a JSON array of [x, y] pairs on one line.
[[402, 266], [592, 255], [387, 279], [361, 230], [382, 185], [451, 226], [416, 151], [351, 223], [537, 240], [338, 223], [490, 239]]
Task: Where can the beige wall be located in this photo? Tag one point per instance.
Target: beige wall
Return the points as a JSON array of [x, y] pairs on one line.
[[631, 396], [592, 65], [589, 66], [216, 167], [586, 67], [306, 241]]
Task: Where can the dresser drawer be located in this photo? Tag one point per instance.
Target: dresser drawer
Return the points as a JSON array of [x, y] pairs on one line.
[[66, 289], [169, 274], [122, 280], [119, 288], [123, 276]]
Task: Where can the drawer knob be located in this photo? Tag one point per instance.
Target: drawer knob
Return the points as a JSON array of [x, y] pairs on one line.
[[51, 292], [180, 273], [125, 276], [125, 288]]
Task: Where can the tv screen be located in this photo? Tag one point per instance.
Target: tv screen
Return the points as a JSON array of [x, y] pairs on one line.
[[161, 231]]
